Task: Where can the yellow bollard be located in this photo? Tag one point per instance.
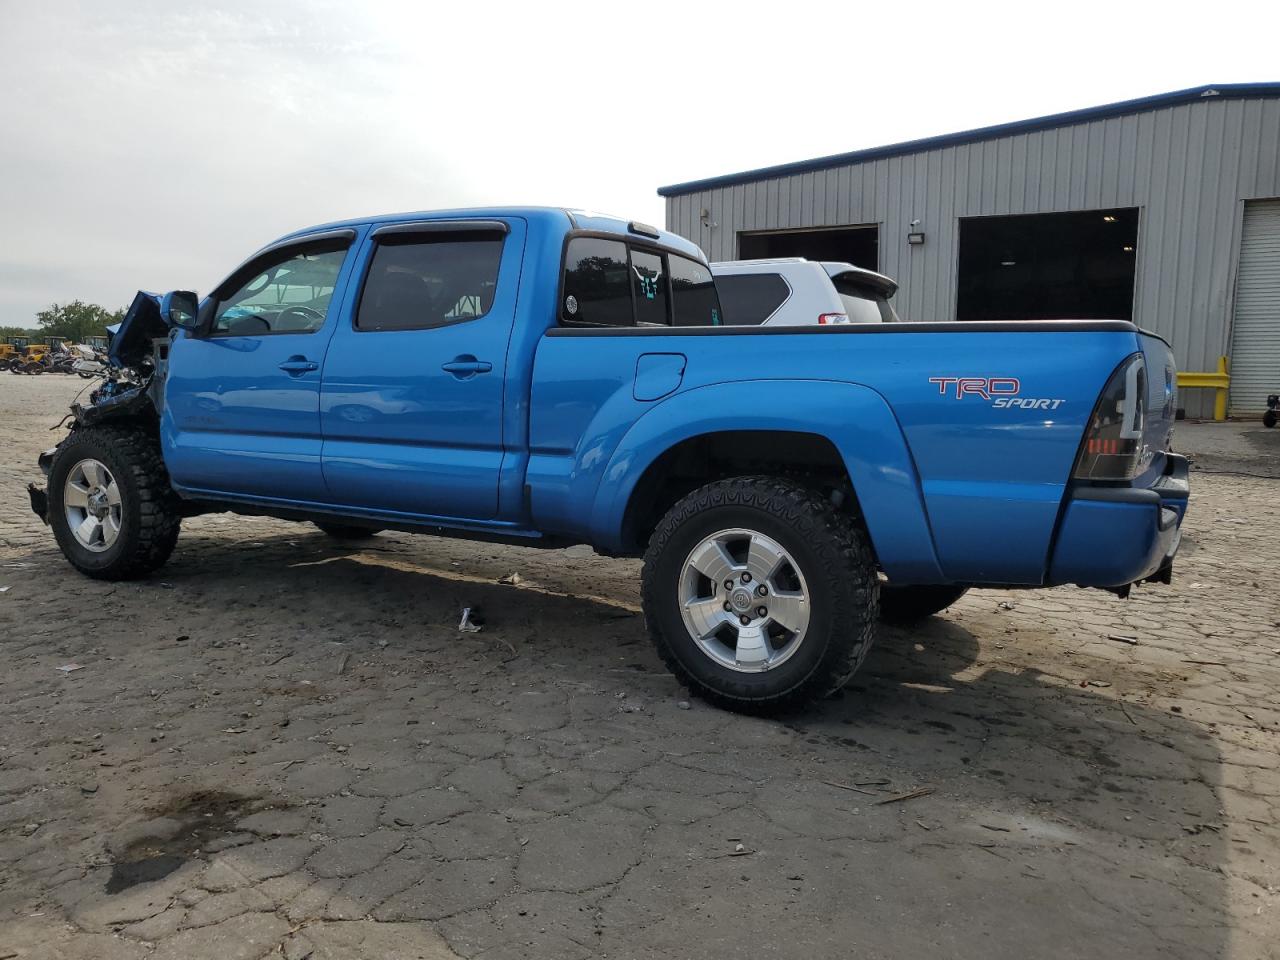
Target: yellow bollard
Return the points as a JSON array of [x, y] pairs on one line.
[[1220, 401], [1220, 381]]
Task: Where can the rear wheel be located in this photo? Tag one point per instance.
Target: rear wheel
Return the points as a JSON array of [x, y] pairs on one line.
[[110, 505], [910, 604], [759, 595], [342, 531]]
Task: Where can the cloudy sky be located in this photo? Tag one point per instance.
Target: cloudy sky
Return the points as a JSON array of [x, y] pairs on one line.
[[154, 143]]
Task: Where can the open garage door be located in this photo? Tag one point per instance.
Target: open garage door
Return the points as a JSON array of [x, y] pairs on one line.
[[1255, 338], [1048, 266], [857, 245]]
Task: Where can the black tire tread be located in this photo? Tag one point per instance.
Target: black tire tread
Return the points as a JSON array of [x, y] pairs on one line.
[[157, 503], [844, 549]]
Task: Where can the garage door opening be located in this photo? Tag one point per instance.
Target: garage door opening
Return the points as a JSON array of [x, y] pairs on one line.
[[1048, 266], [857, 245]]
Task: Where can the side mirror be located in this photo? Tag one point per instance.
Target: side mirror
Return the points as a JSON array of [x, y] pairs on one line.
[[180, 309]]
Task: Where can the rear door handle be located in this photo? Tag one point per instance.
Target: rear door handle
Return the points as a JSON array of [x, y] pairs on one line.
[[466, 366], [299, 365]]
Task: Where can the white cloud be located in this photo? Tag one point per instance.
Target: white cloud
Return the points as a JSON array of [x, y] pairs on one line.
[[155, 144]]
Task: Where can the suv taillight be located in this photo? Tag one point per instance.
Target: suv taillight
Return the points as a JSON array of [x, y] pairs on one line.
[[1113, 447], [826, 318]]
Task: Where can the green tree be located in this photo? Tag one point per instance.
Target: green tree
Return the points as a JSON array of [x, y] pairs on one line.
[[76, 321]]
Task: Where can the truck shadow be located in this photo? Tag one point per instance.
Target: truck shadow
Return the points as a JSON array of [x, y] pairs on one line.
[[1113, 768], [934, 706]]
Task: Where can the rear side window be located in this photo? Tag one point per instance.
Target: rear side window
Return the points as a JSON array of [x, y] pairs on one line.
[[417, 282], [749, 299], [649, 281], [693, 294], [863, 303], [597, 283]]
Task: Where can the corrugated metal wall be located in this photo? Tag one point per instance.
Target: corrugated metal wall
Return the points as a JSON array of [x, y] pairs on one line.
[[1188, 167], [1255, 369]]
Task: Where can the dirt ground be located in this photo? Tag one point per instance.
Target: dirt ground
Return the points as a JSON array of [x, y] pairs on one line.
[[283, 746]]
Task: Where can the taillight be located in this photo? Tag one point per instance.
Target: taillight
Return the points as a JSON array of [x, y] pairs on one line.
[[1113, 447], [826, 318]]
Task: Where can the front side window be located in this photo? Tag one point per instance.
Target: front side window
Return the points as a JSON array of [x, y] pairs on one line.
[[749, 299], [290, 295], [693, 294], [649, 282], [420, 281], [597, 286]]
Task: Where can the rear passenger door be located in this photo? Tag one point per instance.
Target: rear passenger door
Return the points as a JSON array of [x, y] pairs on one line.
[[412, 396]]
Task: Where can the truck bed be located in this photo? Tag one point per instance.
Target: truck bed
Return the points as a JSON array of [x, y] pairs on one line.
[[903, 403]]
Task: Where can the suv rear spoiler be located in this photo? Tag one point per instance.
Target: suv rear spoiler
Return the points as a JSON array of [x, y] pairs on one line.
[[886, 286]]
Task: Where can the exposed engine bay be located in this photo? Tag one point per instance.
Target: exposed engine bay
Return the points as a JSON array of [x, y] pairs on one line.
[[136, 356], [133, 382]]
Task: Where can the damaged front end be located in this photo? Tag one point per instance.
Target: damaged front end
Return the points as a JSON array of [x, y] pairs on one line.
[[133, 384]]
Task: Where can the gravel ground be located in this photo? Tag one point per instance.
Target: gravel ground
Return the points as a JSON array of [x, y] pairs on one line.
[[282, 746]]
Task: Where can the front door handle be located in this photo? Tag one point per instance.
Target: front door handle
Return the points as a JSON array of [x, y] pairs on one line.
[[299, 365], [465, 366]]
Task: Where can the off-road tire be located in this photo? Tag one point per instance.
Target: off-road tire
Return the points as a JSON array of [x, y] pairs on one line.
[[905, 605], [1269, 419], [149, 516], [341, 531], [830, 548]]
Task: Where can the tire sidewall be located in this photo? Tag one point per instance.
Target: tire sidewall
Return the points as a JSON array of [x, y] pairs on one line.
[[76, 450], [669, 568]]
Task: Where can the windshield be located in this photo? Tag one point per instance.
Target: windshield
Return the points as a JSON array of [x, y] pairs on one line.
[[863, 303]]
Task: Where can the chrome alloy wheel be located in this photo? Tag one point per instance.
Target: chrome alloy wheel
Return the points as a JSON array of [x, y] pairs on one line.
[[744, 600], [91, 501]]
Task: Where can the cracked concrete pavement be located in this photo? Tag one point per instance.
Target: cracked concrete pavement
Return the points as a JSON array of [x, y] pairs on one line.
[[282, 746]]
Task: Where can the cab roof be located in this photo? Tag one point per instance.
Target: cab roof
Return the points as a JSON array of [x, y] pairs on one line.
[[560, 218]]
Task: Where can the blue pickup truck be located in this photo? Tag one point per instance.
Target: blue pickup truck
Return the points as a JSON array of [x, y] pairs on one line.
[[548, 377]]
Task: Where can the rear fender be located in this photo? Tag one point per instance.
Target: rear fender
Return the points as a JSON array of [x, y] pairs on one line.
[[854, 418]]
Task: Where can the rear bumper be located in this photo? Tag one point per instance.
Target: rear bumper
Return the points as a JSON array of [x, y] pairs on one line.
[[1114, 536]]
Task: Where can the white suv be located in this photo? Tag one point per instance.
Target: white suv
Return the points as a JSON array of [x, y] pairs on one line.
[[793, 291]]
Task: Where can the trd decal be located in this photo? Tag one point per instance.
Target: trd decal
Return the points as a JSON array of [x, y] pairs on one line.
[[1000, 392], [984, 387]]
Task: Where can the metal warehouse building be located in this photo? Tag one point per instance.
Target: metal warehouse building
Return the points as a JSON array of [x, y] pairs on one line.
[[1163, 210]]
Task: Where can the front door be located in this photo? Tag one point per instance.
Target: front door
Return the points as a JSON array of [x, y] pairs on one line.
[[242, 411], [412, 399]]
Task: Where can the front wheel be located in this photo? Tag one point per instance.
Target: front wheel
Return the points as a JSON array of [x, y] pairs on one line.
[[1269, 419], [759, 594], [110, 504]]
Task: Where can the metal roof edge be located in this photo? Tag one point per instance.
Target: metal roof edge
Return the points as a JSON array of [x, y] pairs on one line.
[[1224, 91]]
